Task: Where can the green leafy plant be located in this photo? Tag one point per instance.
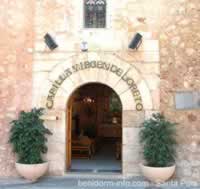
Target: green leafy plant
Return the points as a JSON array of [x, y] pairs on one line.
[[27, 136], [158, 137], [115, 104]]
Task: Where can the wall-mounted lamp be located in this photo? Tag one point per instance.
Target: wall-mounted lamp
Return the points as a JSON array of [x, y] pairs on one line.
[[50, 42], [136, 41], [84, 46], [88, 100]]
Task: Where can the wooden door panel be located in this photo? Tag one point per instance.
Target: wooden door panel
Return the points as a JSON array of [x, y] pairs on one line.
[[68, 134]]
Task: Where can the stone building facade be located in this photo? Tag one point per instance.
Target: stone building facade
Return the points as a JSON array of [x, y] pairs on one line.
[[165, 65]]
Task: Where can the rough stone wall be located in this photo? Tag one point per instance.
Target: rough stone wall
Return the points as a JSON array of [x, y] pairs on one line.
[[16, 33], [174, 22], [180, 71]]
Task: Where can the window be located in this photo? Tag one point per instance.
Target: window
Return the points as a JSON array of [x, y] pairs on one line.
[[94, 13]]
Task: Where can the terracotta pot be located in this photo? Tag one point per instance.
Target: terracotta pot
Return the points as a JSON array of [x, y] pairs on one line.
[[32, 171], [158, 174]]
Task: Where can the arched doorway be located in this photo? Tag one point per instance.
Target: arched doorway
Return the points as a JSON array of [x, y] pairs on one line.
[[94, 129], [125, 79]]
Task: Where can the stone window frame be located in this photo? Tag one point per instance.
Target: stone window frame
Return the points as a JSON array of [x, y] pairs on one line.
[[108, 18], [194, 105]]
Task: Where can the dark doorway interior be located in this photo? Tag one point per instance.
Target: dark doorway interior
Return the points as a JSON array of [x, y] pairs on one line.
[[96, 133]]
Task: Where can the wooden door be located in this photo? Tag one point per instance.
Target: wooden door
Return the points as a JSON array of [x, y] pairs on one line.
[[68, 135]]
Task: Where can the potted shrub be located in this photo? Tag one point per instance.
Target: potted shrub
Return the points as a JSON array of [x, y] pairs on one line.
[[27, 136], [158, 138]]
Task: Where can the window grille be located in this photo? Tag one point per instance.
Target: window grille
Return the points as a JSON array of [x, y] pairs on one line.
[[94, 13]]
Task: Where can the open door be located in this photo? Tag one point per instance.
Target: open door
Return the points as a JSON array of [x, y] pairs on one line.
[[68, 136], [94, 130]]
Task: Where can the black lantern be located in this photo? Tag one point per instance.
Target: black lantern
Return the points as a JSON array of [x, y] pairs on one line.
[[136, 41], [50, 42]]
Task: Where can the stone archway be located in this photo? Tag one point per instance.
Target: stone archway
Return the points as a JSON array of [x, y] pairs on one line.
[[66, 77]]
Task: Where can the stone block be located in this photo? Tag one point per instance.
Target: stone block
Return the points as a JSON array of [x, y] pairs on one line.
[[93, 75], [131, 153], [145, 68], [134, 74], [187, 171], [56, 72], [58, 154], [146, 95], [131, 169], [149, 57], [153, 81], [44, 66], [121, 87], [111, 37], [131, 136], [76, 79], [91, 56], [128, 102], [150, 45], [113, 58], [133, 118], [65, 43], [102, 76], [66, 88], [57, 168], [112, 79], [196, 173], [59, 133], [60, 102], [55, 55], [40, 93], [89, 75], [39, 78], [156, 99], [41, 101], [40, 46]]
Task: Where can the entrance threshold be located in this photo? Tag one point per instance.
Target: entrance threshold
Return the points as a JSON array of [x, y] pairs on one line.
[[95, 175], [94, 171]]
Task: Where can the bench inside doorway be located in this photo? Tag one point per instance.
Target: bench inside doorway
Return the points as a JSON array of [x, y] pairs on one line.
[[80, 151]]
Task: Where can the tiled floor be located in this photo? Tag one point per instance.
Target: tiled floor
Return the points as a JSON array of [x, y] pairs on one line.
[[103, 161]]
